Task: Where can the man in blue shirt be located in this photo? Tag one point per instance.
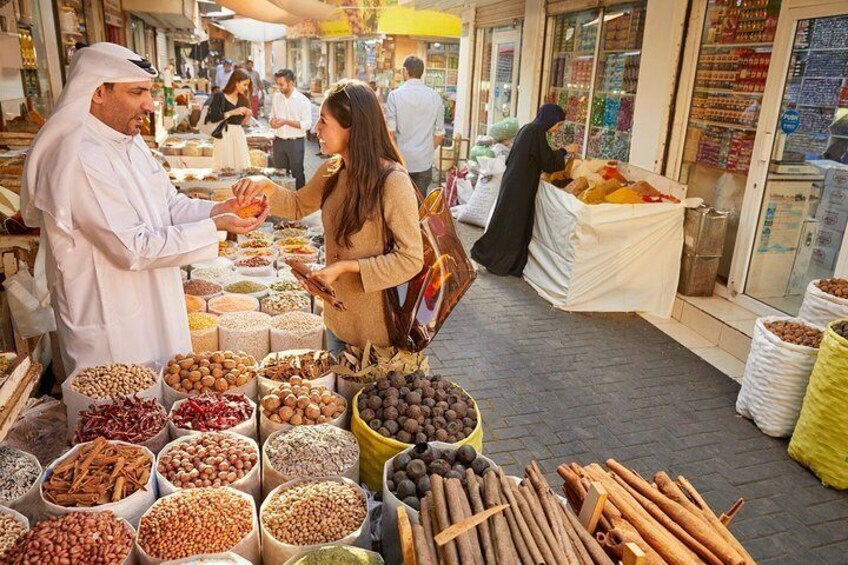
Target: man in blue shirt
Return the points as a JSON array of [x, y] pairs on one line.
[[415, 114]]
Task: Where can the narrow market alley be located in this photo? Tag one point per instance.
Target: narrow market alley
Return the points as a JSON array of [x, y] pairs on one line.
[[561, 387]]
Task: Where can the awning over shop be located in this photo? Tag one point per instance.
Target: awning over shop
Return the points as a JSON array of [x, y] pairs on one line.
[[252, 30], [165, 14]]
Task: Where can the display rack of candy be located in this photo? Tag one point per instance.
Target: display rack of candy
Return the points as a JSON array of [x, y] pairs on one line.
[[726, 149], [624, 31], [742, 21]]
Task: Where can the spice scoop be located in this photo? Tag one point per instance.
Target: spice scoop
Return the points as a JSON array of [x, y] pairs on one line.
[[314, 286]]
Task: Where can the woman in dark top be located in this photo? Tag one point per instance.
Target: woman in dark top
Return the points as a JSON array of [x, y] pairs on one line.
[[231, 107], [503, 248]]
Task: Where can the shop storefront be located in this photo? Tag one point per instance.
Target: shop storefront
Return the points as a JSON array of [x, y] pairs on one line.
[[767, 96]]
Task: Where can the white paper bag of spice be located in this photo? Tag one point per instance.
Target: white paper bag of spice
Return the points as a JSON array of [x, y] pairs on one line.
[[250, 484], [130, 508]]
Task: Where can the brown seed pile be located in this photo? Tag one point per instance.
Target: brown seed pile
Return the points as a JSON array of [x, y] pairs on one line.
[[836, 287], [200, 287], [841, 328], [417, 409], [10, 531], [320, 511], [298, 402], [210, 371], [257, 261], [312, 451], [211, 459], [205, 520], [310, 365], [113, 380], [100, 472], [288, 301], [79, 537], [795, 332]]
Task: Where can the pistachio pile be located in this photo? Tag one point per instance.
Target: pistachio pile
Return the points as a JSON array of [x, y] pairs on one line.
[[113, 380], [418, 409]]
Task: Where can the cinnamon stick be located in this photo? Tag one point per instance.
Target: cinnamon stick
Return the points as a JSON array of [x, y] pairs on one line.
[[505, 545], [542, 490], [592, 547], [521, 523], [693, 525], [672, 550], [425, 516], [536, 514], [727, 517], [467, 513], [623, 533], [453, 490], [422, 548], [448, 553], [477, 506]]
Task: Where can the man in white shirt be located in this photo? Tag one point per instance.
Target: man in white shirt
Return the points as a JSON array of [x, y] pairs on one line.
[[415, 114], [114, 229], [291, 117], [223, 73]]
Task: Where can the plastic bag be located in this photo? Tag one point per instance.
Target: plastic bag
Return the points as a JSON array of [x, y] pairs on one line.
[[486, 192], [464, 190], [504, 129], [130, 508], [820, 440], [479, 151], [775, 379], [820, 308], [275, 551], [29, 299], [249, 484], [41, 429]]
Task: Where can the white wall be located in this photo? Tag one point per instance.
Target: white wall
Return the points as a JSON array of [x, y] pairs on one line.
[[467, 41], [532, 57]]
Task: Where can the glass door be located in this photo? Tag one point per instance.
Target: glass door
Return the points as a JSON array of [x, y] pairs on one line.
[[504, 75], [801, 227]]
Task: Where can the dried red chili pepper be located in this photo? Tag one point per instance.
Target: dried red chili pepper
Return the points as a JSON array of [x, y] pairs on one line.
[[212, 412], [129, 419]]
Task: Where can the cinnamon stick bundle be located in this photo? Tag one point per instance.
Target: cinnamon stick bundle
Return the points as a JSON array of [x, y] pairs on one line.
[[477, 506], [448, 553], [505, 544]]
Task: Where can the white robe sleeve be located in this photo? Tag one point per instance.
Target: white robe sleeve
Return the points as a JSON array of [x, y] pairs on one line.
[[122, 228], [185, 210]]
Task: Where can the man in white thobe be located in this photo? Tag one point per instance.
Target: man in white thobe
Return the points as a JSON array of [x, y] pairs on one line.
[[114, 228]]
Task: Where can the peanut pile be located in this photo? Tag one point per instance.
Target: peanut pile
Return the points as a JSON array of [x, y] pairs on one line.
[[212, 459], [211, 371], [320, 511]]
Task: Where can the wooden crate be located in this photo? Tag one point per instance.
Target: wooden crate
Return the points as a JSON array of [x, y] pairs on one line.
[[23, 376], [16, 140]]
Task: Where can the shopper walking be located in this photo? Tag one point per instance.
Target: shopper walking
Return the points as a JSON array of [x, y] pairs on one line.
[[231, 109], [223, 72], [415, 114], [114, 229], [503, 248], [257, 87], [362, 192], [291, 118]]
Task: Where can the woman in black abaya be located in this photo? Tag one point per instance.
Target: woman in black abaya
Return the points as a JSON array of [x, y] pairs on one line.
[[503, 248]]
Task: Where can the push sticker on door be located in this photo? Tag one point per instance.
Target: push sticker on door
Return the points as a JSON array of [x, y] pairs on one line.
[[789, 121]]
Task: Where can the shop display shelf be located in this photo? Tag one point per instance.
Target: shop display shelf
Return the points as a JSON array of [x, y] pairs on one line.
[[577, 53], [726, 91], [634, 51], [613, 93], [612, 129], [723, 125], [735, 45]]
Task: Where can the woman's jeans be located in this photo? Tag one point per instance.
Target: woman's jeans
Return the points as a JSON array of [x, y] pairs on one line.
[[334, 344]]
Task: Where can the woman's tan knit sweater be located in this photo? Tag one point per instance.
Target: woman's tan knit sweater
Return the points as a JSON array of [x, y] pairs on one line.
[[364, 320]]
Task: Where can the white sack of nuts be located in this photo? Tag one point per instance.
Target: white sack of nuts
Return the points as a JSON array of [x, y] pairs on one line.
[[13, 525], [20, 481], [776, 373], [217, 371], [246, 331], [297, 330], [306, 513], [103, 384], [196, 521], [309, 451], [826, 300], [210, 459], [298, 403]]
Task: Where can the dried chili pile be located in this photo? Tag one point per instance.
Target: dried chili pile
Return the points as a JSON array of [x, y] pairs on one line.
[[129, 419], [212, 412], [98, 473]]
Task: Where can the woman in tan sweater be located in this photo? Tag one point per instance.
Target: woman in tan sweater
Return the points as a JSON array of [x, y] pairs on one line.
[[364, 183]]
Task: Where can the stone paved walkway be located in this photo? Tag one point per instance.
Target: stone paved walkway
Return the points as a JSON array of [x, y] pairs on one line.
[[560, 387]]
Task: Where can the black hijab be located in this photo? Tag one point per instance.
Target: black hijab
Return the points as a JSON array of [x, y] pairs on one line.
[[549, 115]]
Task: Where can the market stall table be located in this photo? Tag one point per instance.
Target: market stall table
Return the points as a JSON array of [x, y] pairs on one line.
[[607, 257], [204, 183]]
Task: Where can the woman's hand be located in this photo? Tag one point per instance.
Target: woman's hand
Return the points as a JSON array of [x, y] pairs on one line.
[[253, 188], [330, 273]]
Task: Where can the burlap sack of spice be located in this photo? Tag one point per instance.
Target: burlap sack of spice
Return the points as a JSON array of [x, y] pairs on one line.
[[820, 440], [247, 548], [820, 308], [247, 428], [275, 551], [391, 539], [272, 478], [250, 484], [376, 449], [130, 508], [76, 402]]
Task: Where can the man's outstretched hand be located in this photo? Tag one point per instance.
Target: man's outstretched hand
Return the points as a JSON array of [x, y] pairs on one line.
[[225, 215]]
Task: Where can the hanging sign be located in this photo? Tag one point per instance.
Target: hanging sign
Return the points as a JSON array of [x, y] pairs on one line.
[[789, 121], [112, 13]]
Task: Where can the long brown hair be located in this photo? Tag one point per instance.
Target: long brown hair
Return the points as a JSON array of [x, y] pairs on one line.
[[355, 106], [235, 78]]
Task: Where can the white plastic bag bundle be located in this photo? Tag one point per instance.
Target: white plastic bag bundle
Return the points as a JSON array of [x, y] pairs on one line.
[[275, 551], [820, 308], [250, 484], [485, 194], [130, 508], [775, 380], [29, 299], [464, 190]]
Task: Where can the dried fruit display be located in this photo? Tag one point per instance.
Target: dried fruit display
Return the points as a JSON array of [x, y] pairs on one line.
[[836, 287], [309, 365], [129, 419], [418, 409], [297, 402], [210, 371], [367, 364], [795, 332]]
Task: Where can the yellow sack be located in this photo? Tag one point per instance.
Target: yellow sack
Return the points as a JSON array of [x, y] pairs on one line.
[[820, 440], [375, 450], [624, 196]]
